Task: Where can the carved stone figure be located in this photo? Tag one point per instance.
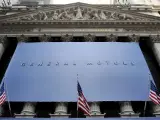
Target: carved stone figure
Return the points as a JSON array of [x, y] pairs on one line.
[[95, 15], [87, 14], [102, 15], [66, 15], [55, 16], [79, 14], [60, 15]]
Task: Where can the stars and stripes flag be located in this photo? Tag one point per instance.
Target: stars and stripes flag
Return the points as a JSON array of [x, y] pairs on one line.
[[154, 95], [2, 94], [82, 102]]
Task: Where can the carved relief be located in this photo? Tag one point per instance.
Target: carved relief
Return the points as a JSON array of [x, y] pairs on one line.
[[89, 38], [78, 13], [154, 38], [134, 38], [111, 38], [3, 40], [22, 38], [44, 38], [66, 38]]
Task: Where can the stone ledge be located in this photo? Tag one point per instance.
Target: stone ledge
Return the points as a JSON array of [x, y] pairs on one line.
[[124, 115], [59, 115], [24, 115]]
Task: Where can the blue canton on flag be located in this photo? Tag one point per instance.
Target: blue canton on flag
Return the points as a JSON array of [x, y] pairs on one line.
[[154, 95], [2, 94]]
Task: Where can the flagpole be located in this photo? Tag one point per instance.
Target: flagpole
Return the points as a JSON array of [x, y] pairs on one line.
[[145, 106], [78, 98], [9, 106]]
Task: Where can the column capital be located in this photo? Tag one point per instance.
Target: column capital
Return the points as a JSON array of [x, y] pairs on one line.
[[156, 109], [60, 110], [29, 108], [28, 111], [89, 38], [3, 40], [45, 38], [155, 38], [67, 38], [127, 110], [134, 38], [22, 38], [111, 38], [95, 110]]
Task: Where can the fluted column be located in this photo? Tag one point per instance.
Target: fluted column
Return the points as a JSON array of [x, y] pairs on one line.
[[156, 46], [28, 111], [95, 110], [60, 110], [3, 44], [22, 38], [67, 38], [156, 110], [127, 110], [45, 38], [111, 38], [89, 38], [134, 38]]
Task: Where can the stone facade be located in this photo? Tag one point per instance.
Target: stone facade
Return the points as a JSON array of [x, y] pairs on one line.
[[72, 22]]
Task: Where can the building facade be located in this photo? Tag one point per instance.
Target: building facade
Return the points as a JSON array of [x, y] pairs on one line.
[[79, 22]]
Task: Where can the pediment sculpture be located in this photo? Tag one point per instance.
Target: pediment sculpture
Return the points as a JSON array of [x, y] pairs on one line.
[[78, 13]]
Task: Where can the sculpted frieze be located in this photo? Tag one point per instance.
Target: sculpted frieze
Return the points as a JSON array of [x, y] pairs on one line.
[[78, 13]]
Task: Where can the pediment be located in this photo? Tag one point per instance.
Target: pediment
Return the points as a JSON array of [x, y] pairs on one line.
[[81, 12]]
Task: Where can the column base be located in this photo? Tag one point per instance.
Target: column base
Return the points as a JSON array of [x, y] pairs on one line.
[[59, 115], [156, 114], [126, 115], [96, 116], [24, 115]]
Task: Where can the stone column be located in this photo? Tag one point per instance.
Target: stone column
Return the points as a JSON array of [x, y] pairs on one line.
[[95, 110], [44, 38], [67, 38], [89, 38], [134, 38], [156, 46], [156, 109], [22, 38], [60, 110], [127, 110], [111, 38], [3, 44], [28, 111]]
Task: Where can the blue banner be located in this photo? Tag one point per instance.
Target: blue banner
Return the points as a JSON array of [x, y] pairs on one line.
[[107, 71]]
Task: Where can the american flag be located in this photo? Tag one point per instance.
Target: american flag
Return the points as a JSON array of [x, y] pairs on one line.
[[82, 102], [153, 95], [2, 94]]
